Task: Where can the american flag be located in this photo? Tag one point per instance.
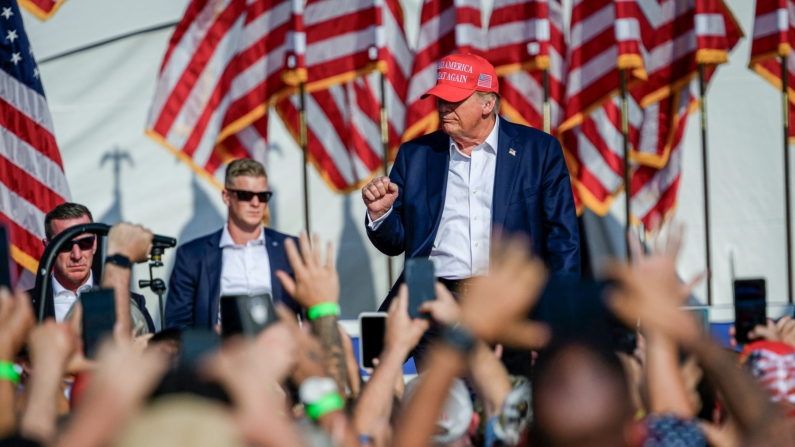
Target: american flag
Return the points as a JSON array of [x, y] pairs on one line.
[[32, 180], [446, 26], [526, 37], [42, 9], [343, 121], [774, 36], [342, 40], [224, 65], [674, 37]]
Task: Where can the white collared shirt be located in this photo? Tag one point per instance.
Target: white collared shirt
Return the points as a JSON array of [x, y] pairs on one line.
[[246, 269], [463, 241], [63, 299]]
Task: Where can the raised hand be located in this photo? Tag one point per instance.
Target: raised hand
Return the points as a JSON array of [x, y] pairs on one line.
[[402, 332], [379, 195], [497, 305], [315, 282], [132, 241], [16, 320]]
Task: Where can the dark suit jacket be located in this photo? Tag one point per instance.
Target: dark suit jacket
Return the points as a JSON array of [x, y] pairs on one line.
[[532, 195], [49, 306], [195, 284]]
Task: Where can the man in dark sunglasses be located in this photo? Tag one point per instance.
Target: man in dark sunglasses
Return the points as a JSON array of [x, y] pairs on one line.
[[240, 259], [72, 273]]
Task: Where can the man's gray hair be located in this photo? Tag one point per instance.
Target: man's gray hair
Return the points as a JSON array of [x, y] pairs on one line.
[[64, 211], [488, 96]]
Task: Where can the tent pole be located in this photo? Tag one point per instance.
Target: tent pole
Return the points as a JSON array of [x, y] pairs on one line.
[[625, 134], [785, 109], [702, 87], [547, 111], [305, 151]]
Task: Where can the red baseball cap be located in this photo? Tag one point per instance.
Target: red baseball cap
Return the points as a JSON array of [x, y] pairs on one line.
[[460, 75]]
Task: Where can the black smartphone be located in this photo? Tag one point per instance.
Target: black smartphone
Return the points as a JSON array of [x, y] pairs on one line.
[[246, 314], [99, 316], [421, 281], [750, 307], [372, 327], [5, 259], [196, 344]]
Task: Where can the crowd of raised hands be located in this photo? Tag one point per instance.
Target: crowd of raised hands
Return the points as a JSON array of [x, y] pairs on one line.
[[676, 387]]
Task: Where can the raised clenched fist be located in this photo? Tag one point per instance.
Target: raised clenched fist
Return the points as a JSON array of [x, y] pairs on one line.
[[378, 196]]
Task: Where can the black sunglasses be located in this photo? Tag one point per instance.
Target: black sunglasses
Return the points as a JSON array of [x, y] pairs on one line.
[[246, 196], [86, 243]]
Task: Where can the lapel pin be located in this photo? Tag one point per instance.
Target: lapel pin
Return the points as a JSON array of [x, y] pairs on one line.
[[512, 152], [275, 244]]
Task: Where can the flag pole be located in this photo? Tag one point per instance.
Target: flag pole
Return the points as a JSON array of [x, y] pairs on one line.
[[385, 144], [702, 87], [547, 112], [785, 109], [625, 134], [305, 151]]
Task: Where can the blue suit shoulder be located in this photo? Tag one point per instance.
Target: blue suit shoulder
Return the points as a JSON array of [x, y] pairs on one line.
[[430, 140], [200, 242], [277, 236]]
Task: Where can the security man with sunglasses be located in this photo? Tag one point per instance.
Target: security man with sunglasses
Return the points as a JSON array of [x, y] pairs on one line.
[[240, 259], [72, 273]]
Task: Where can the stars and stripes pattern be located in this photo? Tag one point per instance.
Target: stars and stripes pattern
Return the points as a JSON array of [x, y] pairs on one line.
[[42, 9], [525, 37], [32, 180], [226, 61], [446, 26], [773, 37], [674, 36], [344, 128], [342, 40], [605, 37]]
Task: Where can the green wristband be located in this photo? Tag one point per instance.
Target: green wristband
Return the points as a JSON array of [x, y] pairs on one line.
[[7, 372], [325, 405], [323, 310]]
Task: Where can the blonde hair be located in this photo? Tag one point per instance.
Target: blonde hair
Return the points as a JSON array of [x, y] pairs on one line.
[[243, 167]]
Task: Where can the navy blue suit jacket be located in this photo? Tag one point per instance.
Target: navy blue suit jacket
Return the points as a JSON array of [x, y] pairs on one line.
[[532, 195], [195, 284]]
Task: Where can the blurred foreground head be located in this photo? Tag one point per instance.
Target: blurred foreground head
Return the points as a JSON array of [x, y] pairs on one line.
[[456, 420], [580, 398]]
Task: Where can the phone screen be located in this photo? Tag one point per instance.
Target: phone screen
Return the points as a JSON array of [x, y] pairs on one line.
[[749, 307], [372, 328], [195, 344], [99, 316], [421, 281], [247, 315]]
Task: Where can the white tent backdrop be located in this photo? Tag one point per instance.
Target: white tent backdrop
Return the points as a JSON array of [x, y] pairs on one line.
[[99, 99]]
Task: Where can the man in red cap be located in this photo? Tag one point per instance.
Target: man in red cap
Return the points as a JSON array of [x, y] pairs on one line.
[[448, 191]]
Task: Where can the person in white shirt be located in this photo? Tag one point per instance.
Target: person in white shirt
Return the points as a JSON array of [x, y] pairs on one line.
[[240, 259], [450, 191], [72, 273]]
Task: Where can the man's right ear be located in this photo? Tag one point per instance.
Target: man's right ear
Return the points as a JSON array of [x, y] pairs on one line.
[[45, 242]]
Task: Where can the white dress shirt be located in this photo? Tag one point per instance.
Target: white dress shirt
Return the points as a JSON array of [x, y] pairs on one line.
[[63, 298], [463, 240], [245, 269]]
